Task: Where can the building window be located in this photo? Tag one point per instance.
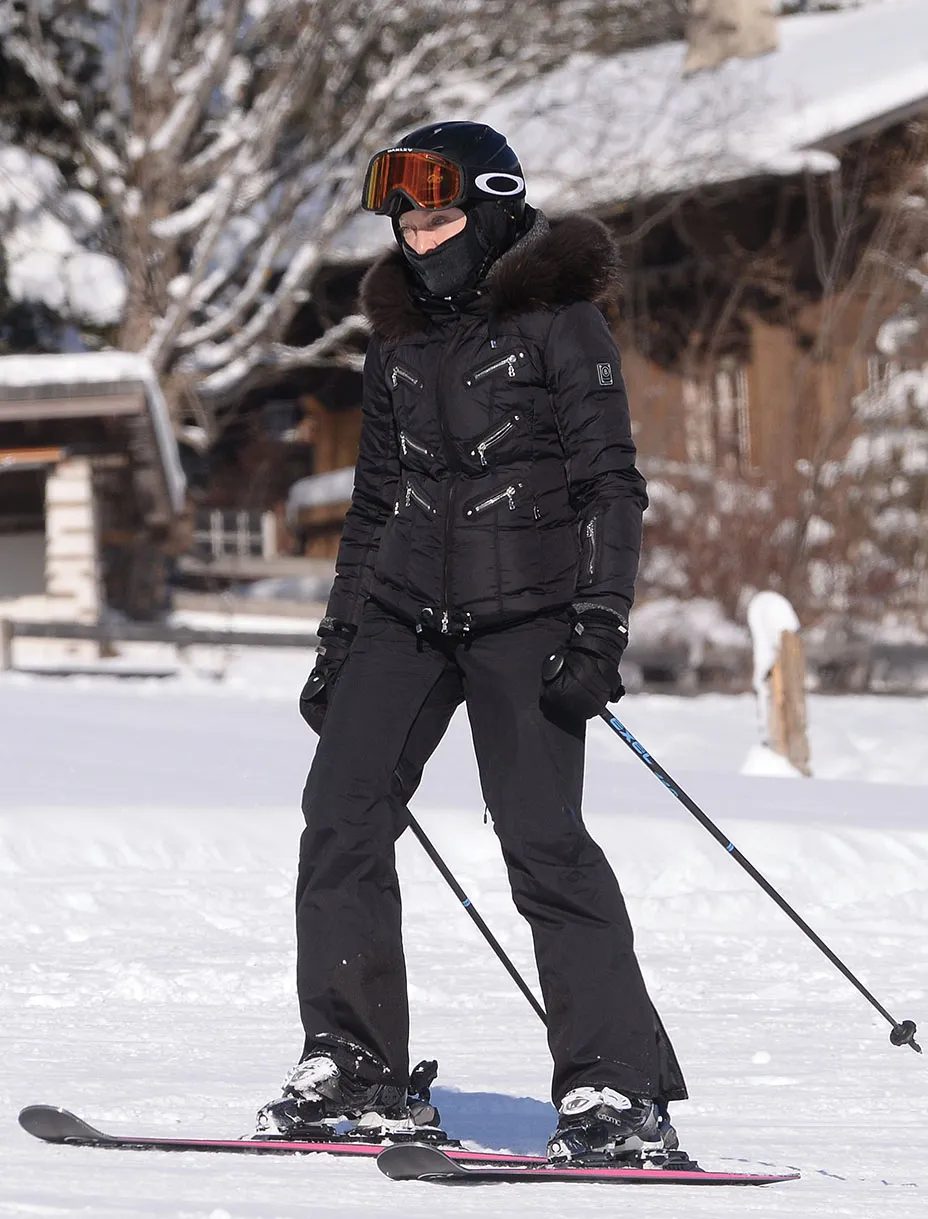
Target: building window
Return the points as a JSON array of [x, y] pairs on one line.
[[282, 419], [22, 497], [223, 532], [716, 419], [22, 528]]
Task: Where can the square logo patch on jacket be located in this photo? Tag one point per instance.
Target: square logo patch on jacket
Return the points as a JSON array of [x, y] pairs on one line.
[[604, 373]]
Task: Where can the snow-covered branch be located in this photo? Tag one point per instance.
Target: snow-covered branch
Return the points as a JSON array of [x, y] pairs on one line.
[[155, 56], [194, 87], [32, 54], [279, 357]]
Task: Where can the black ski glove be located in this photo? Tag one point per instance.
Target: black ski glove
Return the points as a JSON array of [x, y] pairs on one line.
[[335, 643], [580, 678]]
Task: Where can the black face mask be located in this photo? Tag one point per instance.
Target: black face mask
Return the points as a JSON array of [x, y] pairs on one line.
[[452, 267], [461, 262]]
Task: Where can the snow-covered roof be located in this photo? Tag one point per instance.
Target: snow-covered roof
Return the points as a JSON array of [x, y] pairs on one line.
[[333, 487], [603, 130], [103, 368]]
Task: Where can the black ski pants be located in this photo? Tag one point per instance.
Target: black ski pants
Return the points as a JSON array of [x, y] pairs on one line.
[[390, 708]]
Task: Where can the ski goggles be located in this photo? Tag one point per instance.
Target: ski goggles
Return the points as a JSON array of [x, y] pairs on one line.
[[427, 179]]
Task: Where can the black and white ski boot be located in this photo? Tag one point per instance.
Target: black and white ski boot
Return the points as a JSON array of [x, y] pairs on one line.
[[599, 1126], [341, 1081]]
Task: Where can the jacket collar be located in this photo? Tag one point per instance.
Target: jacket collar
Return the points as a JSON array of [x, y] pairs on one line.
[[546, 269]]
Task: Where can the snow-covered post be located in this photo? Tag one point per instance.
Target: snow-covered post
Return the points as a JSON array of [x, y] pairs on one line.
[[779, 678]]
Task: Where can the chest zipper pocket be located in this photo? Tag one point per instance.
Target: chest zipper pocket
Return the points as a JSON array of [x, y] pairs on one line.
[[500, 432], [412, 495], [508, 494], [409, 445], [399, 373], [590, 551], [504, 364]]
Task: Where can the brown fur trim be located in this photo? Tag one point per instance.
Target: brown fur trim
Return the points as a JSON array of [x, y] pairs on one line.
[[386, 301], [575, 261]]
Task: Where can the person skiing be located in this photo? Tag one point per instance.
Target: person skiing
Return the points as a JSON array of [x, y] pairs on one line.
[[494, 529]]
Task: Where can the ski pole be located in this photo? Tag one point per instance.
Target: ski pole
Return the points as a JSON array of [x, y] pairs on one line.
[[903, 1033], [469, 907]]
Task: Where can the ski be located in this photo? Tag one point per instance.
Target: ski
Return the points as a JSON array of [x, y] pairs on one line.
[[54, 1125], [409, 1161], [418, 1162]]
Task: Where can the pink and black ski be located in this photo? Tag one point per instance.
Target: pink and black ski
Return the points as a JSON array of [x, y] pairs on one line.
[[54, 1125], [418, 1162]]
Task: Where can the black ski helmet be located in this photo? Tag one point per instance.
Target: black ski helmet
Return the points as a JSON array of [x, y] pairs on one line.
[[492, 171], [481, 175]]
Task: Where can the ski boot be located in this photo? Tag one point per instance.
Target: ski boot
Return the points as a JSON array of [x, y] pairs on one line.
[[339, 1080], [599, 1126]]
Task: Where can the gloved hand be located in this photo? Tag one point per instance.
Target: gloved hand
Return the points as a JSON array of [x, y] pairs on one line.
[[579, 678], [335, 643]]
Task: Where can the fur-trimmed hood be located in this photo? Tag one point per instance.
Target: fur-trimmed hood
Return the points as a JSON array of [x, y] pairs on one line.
[[546, 269]]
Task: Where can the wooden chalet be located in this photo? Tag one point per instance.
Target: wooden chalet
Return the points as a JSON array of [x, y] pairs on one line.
[[91, 487], [769, 212]]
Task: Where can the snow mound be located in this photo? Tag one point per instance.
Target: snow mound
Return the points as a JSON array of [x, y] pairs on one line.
[[764, 762]]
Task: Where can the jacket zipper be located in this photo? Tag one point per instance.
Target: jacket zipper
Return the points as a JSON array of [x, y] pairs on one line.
[[507, 493], [407, 443], [480, 450], [589, 531], [399, 373], [454, 465], [413, 493], [510, 363]]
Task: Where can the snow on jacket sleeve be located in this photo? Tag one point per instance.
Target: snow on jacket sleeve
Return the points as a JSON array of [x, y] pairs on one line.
[[375, 481], [607, 492]]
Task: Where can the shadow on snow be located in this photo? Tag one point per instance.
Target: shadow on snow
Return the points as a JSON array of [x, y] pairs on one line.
[[507, 1123]]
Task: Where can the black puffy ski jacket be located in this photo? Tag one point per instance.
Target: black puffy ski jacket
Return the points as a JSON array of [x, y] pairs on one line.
[[496, 471]]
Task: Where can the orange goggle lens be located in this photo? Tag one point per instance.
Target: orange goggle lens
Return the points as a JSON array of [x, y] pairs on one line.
[[427, 179]]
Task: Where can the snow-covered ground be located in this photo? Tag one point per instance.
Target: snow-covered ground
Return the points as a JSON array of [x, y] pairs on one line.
[[147, 839]]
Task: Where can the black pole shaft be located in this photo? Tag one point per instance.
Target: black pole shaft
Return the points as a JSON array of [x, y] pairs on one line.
[[902, 1031], [481, 925]]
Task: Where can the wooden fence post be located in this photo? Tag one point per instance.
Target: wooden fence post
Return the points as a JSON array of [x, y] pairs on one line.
[[6, 645], [780, 677], [786, 709]]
